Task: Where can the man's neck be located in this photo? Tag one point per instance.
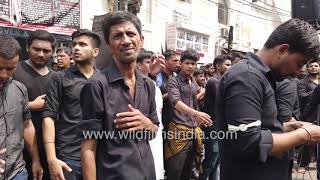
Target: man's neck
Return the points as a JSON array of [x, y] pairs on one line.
[[314, 78], [168, 72], [216, 74], [40, 70], [266, 56], [86, 69], [127, 70]]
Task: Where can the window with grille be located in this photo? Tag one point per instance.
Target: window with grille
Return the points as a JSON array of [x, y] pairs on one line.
[[223, 12]]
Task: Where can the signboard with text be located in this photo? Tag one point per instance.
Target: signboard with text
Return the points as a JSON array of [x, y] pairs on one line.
[[55, 16]]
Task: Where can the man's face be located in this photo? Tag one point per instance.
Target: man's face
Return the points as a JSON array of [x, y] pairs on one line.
[[201, 80], [40, 52], [173, 63], [211, 70], [224, 66], [125, 42], [145, 66], [313, 68], [63, 60], [289, 65], [7, 69], [83, 49], [188, 66]]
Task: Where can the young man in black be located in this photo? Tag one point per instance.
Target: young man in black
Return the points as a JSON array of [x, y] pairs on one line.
[[210, 163], [259, 150], [35, 75], [121, 101], [63, 110]]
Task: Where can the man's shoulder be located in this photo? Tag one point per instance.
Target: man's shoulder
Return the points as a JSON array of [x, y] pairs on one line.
[[242, 70], [99, 76], [19, 87]]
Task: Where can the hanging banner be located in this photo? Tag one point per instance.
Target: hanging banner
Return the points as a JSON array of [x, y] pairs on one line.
[[5, 13], [55, 16]]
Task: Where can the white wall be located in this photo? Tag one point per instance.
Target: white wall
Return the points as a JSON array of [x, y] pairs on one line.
[[90, 8], [252, 32], [155, 14]]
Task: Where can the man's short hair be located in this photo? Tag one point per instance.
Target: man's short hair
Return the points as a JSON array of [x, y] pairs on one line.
[[66, 50], [95, 39], [198, 72], [9, 47], [208, 65], [168, 53], [41, 35], [299, 34], [119, 17], [220, 59], [189, 54], [312, 61], [236, 55], [143, 56]]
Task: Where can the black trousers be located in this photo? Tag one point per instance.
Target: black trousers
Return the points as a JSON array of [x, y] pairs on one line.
[[179, 166], [305, 156]]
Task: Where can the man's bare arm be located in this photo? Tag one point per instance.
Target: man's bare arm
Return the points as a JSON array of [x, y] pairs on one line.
[[88, 159], [201, 117], [30, 139]]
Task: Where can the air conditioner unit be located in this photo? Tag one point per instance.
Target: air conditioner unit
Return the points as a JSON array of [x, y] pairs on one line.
[[224, 32]]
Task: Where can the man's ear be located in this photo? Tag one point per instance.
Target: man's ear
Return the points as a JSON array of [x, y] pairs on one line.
[[142, 41], [138, 66], [283, 49], [96, 52], [27, 48]]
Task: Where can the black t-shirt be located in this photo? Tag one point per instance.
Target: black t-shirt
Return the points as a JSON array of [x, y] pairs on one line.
[[37, 85]]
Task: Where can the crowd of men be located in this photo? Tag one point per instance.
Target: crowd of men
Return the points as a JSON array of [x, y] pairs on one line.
[[47, 113]]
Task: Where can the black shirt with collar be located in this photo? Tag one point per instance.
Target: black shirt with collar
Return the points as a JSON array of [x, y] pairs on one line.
[[105, 95], [63, 106], [247, 94]]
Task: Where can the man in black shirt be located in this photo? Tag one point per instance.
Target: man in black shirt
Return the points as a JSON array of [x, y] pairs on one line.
[[247, 106], [305, 90], [288, 108], [119, 101], [63, 110], [210, 164], [35, 75], [308, 84]]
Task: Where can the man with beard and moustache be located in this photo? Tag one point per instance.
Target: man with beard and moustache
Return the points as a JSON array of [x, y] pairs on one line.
[[63, 110], [259, 146], [305, 90], [35, 75], [199, 76], [308, 84], [172, 65], [210, 163], [119, 100]]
